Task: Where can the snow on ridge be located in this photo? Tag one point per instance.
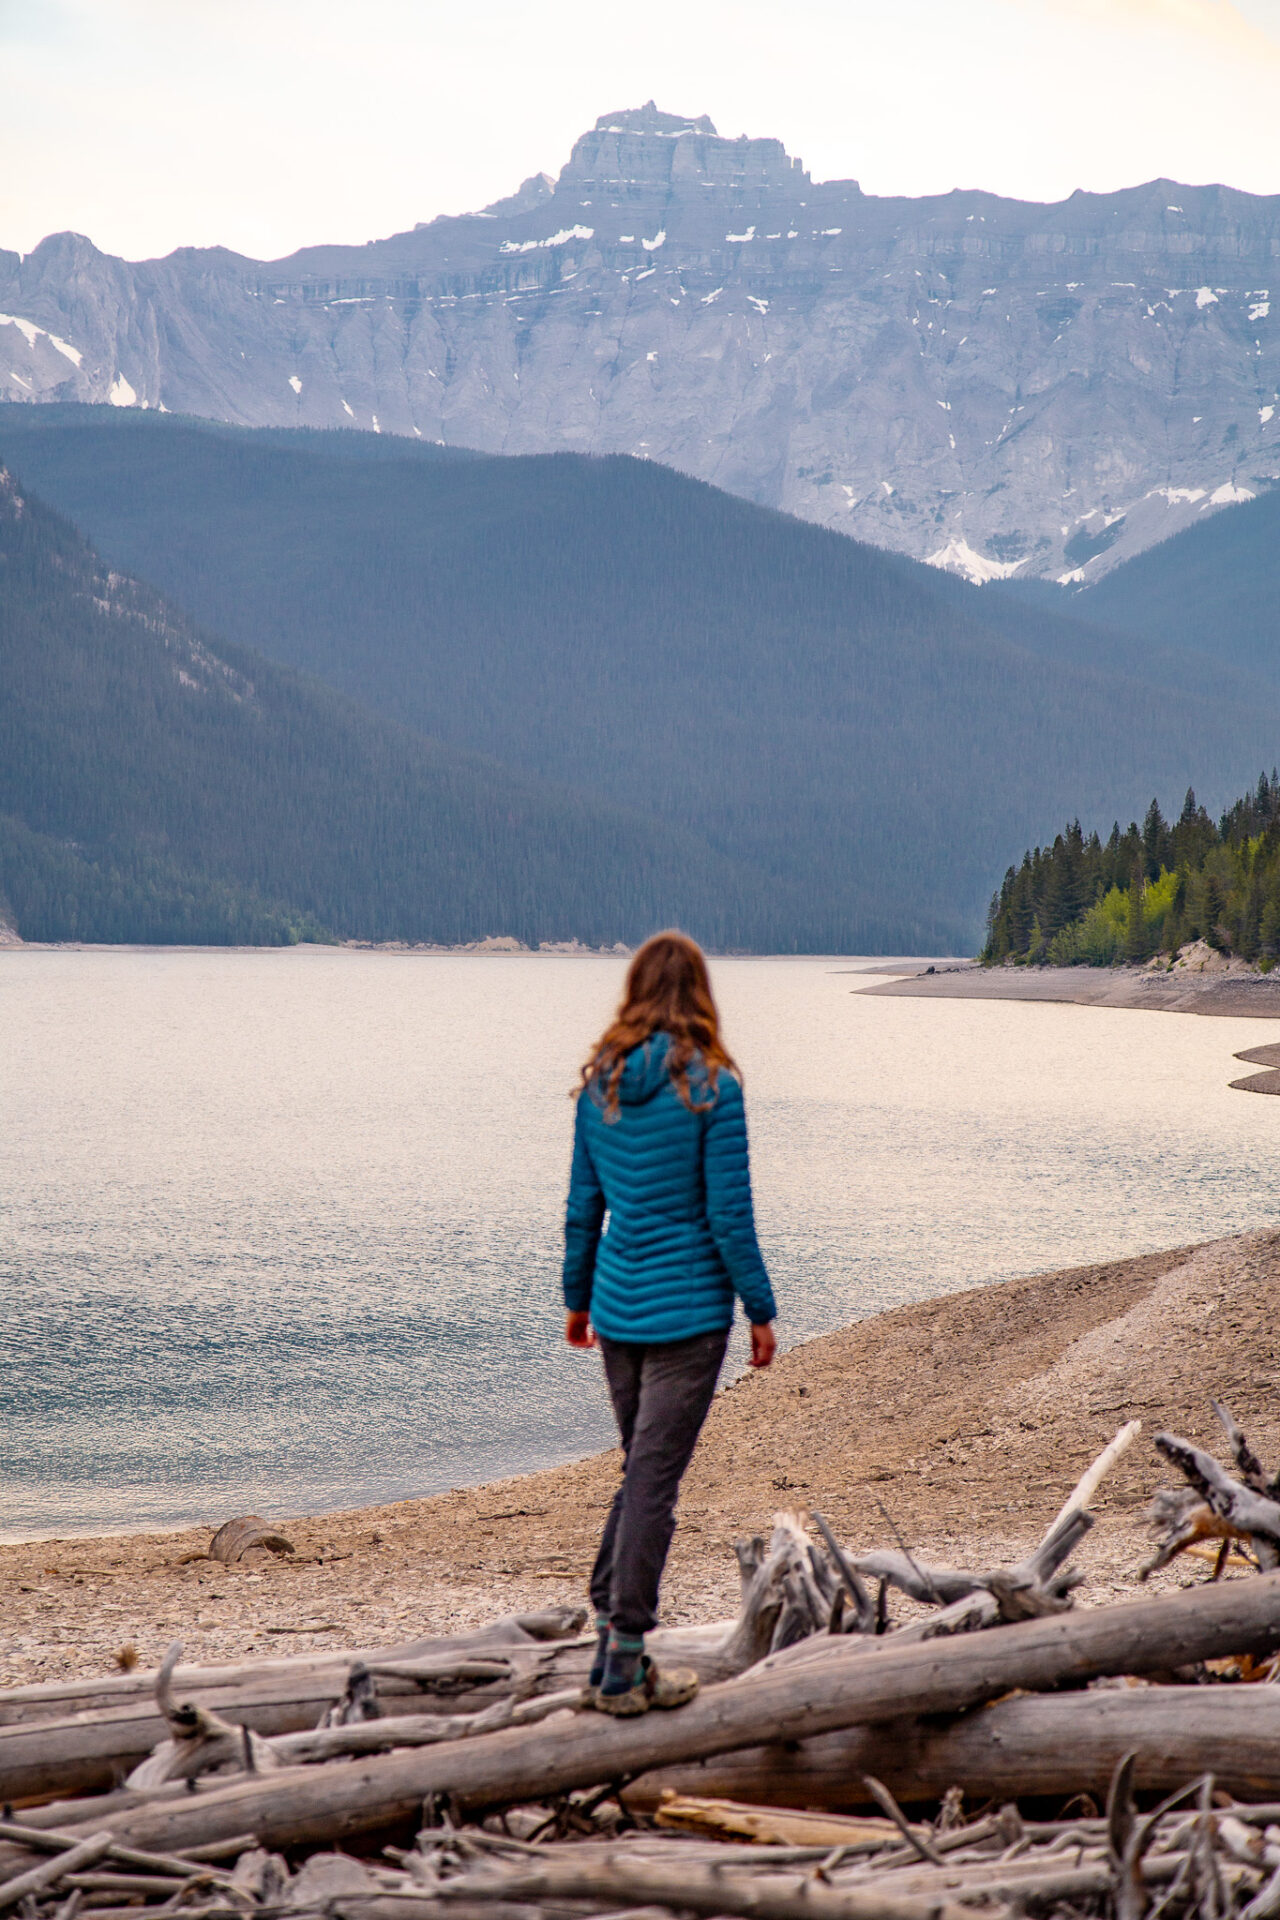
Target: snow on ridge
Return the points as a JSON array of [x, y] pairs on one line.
[[295, 383], [740, 239], [31, 332], [1206, 297], [1229, 495], [659, 240], [1176, 495], [553, 240], [122, 393], [1260, 311], [1265, 414], [959, 557]]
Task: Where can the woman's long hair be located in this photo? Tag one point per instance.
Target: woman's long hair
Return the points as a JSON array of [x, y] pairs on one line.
[[668, 991]]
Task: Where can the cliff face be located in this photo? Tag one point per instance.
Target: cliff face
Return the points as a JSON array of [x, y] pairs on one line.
[[993, 385]]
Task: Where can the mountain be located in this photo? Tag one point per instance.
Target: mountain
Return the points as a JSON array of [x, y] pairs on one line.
[[158, 785], [994, 385], [857, 739]]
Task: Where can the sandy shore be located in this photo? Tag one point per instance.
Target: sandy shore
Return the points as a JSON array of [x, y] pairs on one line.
[[1254, 996], [966, 1419]]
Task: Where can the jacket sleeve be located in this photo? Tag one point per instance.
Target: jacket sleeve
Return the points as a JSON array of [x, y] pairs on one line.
[[583, 1218], [730, 1215]]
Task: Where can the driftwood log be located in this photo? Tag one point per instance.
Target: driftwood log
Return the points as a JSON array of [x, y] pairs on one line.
[[82, 1854], [235, 1537], [577, 1750], [313, 1676], [233, 1725], [1034, 1745], [798, 1602]]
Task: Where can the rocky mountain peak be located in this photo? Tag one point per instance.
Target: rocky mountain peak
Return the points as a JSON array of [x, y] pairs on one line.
[[650, 119], [643, 152]]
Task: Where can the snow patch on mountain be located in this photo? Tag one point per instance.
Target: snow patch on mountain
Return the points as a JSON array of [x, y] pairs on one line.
[[31, 333], [959, 557]]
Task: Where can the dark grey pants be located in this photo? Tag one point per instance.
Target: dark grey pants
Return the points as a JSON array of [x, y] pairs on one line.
[[660, 1396]]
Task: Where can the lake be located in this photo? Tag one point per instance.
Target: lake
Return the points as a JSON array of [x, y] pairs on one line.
[[279, 1230]]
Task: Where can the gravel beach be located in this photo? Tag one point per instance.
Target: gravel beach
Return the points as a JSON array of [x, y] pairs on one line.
[[962, 1422]]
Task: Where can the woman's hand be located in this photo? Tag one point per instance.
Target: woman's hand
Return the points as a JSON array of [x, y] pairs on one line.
[[579, 1332], [763, 1345]]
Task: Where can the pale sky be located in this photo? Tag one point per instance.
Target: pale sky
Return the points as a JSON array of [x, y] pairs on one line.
[[266, 125]]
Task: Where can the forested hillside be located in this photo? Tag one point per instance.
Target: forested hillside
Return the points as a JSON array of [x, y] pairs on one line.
[[156, 785], [1214, 589], [855, 737], [1148, 890]]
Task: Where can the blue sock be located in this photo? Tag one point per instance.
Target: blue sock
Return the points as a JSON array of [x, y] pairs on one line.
[[622, 1660], [596, 1674]]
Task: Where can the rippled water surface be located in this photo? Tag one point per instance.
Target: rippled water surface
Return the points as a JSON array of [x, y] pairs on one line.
[[279, 1230]]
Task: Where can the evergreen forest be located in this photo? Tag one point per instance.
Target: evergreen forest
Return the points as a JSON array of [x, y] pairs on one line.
[[1149, 890]]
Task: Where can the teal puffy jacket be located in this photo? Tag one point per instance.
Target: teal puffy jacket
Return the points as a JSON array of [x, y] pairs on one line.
[[680, 1238]]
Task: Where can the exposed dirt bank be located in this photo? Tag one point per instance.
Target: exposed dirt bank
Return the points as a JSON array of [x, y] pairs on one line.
[[967, 1418]]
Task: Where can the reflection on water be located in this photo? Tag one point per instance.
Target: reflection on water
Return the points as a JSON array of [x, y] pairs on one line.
[[280, 1230]]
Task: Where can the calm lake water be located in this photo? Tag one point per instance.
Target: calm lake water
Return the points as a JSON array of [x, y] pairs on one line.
[[279, 1231]]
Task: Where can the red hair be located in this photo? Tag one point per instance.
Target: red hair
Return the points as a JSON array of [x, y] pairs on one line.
[[668, 991]]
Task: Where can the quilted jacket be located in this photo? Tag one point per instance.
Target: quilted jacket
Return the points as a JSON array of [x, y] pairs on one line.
[[659, 1228]]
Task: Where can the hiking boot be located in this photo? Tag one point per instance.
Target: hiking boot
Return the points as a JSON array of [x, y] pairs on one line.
[[650, 1688]]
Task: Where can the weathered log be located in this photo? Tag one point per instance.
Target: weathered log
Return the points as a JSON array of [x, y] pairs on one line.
[[737, 1820], [908, 1895], [49, 1872], [580, 1750], [49, 1840], [74, 1756], [235, 1537], [415, 1730], [627, 1883], [1037, 1585], [1033, 1586], [199, 1741], [1033, 1745], [323, 1674], [68, 1756], [125, 1883]]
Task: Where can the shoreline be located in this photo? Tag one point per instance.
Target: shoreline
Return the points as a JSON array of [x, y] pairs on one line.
[[499, 947], [1225, 995], [961, 1420]]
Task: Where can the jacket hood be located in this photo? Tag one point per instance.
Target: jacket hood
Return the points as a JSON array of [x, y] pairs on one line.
[[645, 1072]]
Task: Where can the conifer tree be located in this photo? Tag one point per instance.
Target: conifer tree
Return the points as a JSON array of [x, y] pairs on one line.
[[1211, 915], [1155, 841]]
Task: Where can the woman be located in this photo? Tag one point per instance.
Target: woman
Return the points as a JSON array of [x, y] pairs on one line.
[[659, 1236]]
